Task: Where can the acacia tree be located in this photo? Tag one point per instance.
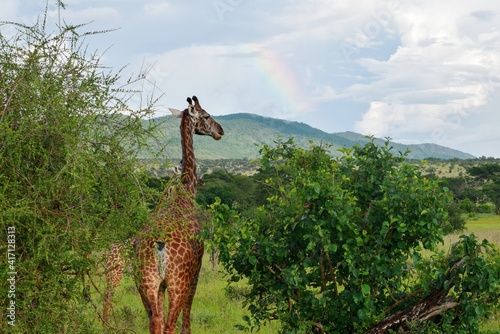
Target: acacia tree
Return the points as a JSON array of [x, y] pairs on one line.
[[338, 247], [69, 180]]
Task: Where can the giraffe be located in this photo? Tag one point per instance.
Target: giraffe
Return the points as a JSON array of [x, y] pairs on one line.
[[169, 249], [114, 264]]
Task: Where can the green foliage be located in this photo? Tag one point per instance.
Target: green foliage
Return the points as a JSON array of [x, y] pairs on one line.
[[332, 249], [462, 187], [470, 276], [236, 190], [455, 217], [488, 178], [480, 186], [491, 191], [466, 205], [485, 208], [69, 181], [485, 172]]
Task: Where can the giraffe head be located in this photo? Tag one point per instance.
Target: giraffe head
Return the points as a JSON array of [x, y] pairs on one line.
[[203, 123]]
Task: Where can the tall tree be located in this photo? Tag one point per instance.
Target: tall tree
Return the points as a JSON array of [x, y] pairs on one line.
[[69, 181]]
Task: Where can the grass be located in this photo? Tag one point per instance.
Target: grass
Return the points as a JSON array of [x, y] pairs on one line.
[[484, 226], [218, 309], [444, 169]]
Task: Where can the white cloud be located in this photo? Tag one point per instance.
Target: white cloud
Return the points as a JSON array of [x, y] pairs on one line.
[[325, 93], [399, 120], [437, 79], [419, 71]]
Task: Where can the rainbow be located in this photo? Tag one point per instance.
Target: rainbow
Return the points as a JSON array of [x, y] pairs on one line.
[[280, 79]]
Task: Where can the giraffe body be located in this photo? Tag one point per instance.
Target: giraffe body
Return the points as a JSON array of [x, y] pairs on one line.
[[169, 250], [176, 272]]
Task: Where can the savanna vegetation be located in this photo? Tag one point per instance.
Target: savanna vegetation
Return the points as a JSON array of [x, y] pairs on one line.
[[341, 246], [219, 307], [310, 243]]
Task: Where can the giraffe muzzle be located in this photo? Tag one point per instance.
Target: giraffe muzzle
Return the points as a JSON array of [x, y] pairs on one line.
[[218, 133]]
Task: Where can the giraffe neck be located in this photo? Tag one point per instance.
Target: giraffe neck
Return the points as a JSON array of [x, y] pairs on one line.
[[188, 160]]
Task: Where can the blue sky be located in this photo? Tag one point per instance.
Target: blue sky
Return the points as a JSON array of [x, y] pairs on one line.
[[417, 71]]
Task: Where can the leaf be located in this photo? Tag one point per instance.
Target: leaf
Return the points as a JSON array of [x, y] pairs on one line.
[[333, 248], [362, 313], [365, 289], [252, 259]]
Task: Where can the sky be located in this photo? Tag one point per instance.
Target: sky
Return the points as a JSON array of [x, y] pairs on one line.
[[422, 71]]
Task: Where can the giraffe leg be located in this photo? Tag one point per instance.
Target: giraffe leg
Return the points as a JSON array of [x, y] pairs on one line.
[[186, 312], [151, 298], [114, 266], [161, 303], [108, 303], [178, 281], [176, 299]]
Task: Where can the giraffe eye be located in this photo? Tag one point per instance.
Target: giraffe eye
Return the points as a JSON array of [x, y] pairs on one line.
[[207, 117]]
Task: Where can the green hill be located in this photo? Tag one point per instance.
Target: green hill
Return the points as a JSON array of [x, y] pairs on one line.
[[244, 132]]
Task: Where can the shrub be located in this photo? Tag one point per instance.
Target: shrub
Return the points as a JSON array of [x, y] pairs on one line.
[[338, 244], [466, 205], [485, 208]]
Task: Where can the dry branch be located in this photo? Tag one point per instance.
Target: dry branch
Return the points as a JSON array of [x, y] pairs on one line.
[[435, 303]]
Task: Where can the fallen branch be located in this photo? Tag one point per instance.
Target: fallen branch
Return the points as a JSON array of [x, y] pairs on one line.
[[435, 303]]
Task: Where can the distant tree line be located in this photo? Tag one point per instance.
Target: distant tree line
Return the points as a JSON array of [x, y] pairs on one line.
[[239, 183], [478, 191]]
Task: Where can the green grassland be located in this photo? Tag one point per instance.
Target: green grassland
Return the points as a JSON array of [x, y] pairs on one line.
[[218, 309], [484, 226]]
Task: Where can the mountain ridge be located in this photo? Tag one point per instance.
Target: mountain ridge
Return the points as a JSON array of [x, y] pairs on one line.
[[244, 132]]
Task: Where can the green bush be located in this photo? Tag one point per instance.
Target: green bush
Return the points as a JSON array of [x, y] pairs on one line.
[[466, 205], [485, 208], [338, 247]]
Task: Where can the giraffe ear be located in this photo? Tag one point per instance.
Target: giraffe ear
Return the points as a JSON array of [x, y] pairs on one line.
[[175, 112]]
